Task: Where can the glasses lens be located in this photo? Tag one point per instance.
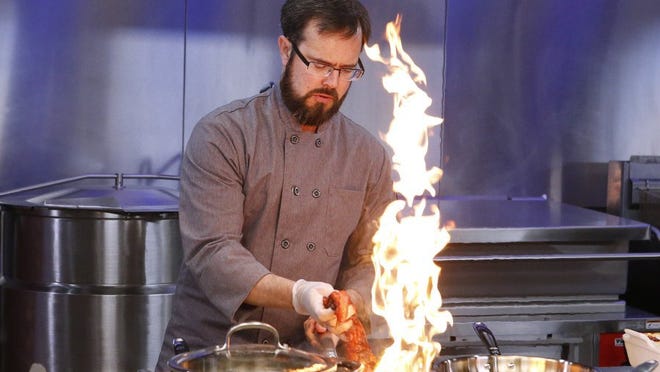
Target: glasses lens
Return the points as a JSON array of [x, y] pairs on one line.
[[351, 74], [323, 70], [319, 69]]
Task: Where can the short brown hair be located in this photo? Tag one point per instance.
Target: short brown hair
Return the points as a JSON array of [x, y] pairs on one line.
[[333, 16]]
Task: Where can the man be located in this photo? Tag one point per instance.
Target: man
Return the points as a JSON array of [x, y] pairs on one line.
[[281, 193]]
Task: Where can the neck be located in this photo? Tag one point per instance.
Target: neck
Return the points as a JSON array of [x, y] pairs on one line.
[[308, 128]]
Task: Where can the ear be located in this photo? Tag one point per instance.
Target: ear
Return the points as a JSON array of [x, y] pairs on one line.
[[285, 49]]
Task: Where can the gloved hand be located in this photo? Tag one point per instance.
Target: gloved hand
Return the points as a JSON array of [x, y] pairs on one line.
[[307, 299], [320, 338]]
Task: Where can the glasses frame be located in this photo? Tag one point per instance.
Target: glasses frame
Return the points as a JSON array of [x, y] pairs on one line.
[[344, 69]]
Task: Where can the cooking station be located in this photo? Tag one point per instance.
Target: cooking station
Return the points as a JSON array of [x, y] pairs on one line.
[[546, 277]]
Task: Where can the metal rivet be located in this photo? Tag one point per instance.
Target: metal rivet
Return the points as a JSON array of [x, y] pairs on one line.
[[285, 243], [316, 193], [295, 190], [311, 247], [317, 143], [294, 139]]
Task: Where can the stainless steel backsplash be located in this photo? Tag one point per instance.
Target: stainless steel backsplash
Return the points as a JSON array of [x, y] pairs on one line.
[[537, 96]]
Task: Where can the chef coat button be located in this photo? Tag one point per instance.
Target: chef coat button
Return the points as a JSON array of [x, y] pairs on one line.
[[311, 247], [316, 193], [285, 244], [317, 143], [294, 139], [295, 190]]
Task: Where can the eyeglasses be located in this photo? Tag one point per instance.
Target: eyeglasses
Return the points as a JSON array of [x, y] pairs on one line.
[[324, 70]]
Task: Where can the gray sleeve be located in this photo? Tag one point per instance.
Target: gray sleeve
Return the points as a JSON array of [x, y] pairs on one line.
[[211, 215]]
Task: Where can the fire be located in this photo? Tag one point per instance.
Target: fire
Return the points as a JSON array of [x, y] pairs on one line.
[[405, 290]]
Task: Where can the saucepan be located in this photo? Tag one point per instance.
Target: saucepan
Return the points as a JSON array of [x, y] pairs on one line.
[[273, 357], [495, 362]]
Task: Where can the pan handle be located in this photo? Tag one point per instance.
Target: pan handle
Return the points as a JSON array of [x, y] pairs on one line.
[[180, 346], [487, 337]]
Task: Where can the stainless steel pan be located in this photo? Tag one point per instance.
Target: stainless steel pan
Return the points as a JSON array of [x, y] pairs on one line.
[[255, 357], [495, 362]]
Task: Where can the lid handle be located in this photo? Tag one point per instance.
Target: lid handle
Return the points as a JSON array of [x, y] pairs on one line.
[[252, 325]]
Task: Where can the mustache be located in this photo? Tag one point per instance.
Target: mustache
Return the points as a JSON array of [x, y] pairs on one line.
[[326, 91]]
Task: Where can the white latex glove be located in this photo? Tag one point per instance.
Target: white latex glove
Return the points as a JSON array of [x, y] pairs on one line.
[[307, 298]]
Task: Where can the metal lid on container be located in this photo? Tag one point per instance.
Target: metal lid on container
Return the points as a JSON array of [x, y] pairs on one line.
[[95, 192]]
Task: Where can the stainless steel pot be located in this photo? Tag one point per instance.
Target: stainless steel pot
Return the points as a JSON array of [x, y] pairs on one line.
[[518, 363], [509, 363], [90, 266], [495, 362], [255, 357]]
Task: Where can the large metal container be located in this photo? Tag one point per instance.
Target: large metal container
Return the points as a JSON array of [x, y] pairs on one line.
[[90, 272]]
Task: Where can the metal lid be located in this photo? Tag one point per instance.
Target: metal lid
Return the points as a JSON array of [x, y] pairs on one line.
[[251, 357], [100, 195]]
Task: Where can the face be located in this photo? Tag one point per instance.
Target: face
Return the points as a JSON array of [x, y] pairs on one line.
[[313, 99]]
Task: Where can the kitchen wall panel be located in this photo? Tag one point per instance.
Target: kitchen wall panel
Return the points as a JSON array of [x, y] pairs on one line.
[[538, 95], [542, 94], [89, 86], [104, 87]]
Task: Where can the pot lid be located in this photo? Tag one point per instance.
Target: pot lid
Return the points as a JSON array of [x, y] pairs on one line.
[[251, 357], [79, 193]]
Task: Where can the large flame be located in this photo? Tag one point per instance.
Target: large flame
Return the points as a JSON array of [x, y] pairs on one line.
[[405, 290]]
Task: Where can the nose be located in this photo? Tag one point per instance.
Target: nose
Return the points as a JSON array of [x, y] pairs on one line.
[[332, 79]]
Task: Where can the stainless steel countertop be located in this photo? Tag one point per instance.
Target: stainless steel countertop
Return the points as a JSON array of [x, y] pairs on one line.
[[504, 221]]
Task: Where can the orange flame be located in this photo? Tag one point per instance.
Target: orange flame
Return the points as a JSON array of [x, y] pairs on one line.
[[405, 290]]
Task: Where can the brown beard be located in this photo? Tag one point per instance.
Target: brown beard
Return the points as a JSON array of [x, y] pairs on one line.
[[314, 115]]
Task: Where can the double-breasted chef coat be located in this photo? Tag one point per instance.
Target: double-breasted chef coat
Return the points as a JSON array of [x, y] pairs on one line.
[[259, 196]]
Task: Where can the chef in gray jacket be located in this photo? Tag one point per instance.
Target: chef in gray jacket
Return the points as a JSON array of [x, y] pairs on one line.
[[281, 193]]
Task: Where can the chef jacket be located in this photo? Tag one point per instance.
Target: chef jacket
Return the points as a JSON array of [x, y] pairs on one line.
[[259, 196]]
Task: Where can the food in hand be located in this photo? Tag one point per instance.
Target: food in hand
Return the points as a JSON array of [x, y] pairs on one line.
[[350, 329]]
